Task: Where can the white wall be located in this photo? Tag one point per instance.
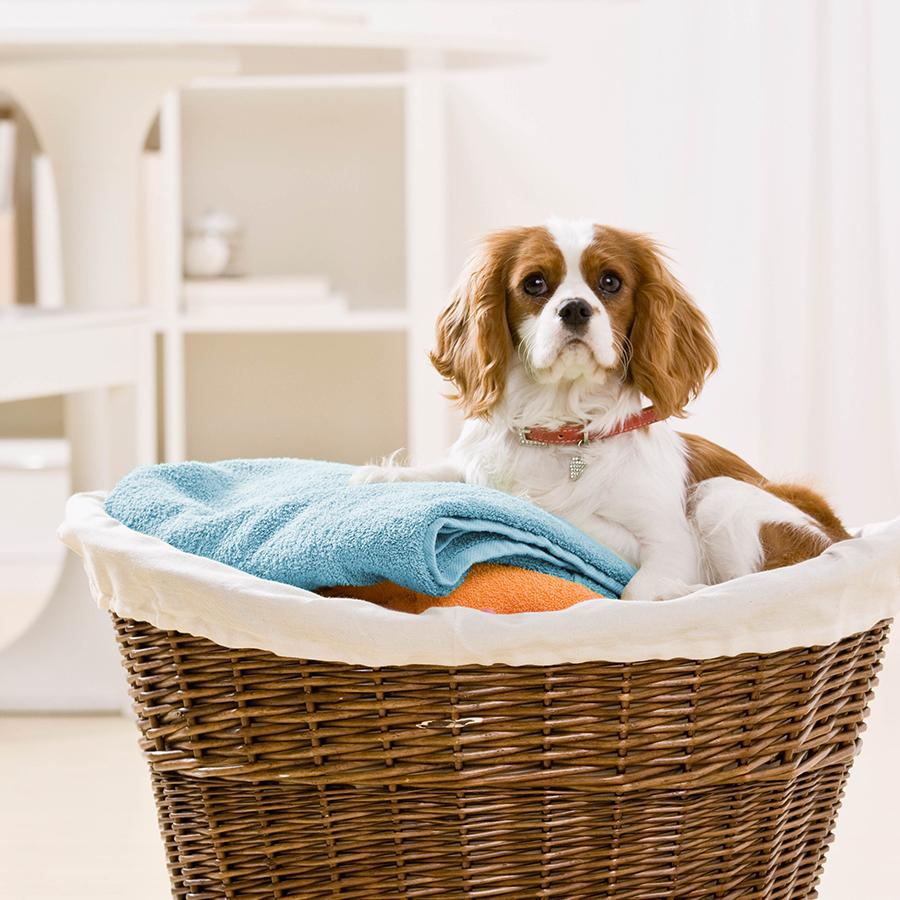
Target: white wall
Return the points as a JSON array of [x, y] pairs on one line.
[[752, 140]]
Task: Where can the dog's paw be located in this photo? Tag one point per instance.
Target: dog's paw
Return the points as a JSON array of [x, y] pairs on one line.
[[658, 589], [392, 472], [676, 589], [374, 474]]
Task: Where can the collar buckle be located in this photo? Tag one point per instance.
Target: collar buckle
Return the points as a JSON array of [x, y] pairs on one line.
[[526, 441]]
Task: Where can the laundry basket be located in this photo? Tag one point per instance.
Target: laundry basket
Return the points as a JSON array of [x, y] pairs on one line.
[[308, 747]]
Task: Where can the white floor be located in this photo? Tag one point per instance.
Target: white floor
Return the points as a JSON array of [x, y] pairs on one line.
[[77, 819]]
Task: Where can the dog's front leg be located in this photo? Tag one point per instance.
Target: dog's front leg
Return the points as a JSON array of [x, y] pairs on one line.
[[669, 568], [391, 471]]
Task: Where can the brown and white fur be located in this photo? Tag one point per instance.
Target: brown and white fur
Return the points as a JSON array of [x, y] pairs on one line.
[[575, 323]]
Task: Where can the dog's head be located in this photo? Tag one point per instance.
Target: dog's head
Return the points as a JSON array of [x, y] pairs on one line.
[[576, 302]]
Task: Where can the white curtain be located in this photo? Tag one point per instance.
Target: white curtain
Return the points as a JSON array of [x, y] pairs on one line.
[[768, 156]]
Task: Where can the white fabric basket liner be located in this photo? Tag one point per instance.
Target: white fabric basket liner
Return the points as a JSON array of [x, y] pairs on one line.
[[847, 590]]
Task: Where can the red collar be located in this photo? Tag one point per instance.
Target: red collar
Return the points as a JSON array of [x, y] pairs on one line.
[[573, 434]]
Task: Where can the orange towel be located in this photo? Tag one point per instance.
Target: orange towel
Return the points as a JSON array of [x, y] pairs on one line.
[[488, 586]]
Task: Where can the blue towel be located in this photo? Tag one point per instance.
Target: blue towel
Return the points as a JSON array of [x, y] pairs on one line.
[[300, 522]]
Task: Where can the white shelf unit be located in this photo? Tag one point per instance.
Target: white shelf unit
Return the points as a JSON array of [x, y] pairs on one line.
[[273, 322], [339, 175], [102, 361]]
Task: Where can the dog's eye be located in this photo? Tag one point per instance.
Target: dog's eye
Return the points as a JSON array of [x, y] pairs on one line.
[[610, 283], [535, 286]]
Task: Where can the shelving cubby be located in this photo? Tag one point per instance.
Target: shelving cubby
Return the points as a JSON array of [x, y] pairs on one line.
[[317, 170]]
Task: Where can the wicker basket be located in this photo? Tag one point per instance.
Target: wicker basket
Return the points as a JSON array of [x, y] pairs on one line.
[[716, 778]]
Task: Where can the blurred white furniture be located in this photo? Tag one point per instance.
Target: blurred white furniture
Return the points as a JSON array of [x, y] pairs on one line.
[[91, 79], [34, 486], [103, 362], [387, 256], [105, 357]]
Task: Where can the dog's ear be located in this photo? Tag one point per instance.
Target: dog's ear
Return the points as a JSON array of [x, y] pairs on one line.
[[673, 352], [474, 343]]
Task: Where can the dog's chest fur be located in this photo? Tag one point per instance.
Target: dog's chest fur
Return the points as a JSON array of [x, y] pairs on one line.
[[631, 485]]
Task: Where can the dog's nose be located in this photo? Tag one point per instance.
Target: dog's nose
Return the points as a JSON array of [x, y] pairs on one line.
[[575, 313]]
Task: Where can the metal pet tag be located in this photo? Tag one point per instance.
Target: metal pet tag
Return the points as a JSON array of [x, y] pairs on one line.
[[576, 467]]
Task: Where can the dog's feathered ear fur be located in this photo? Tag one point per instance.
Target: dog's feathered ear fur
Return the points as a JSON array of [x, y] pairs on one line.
[[673, 352], [474, 344]]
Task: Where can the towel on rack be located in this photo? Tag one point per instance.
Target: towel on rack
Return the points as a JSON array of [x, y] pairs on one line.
[[300, 522]]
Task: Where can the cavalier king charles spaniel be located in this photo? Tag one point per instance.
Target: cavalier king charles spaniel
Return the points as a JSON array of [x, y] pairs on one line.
[[570, 345]]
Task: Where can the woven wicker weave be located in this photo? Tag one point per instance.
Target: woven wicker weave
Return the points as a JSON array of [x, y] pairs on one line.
[[681, 779]]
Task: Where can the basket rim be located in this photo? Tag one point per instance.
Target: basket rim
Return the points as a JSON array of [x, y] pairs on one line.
[[849, 589]]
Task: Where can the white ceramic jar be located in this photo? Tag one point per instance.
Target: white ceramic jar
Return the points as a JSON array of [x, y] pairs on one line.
[[212, 245]]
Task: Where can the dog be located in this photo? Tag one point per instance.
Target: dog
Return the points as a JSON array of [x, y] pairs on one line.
[[571, 345]]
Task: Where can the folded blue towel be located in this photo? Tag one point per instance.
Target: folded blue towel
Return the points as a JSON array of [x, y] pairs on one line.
[[300, 522]]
